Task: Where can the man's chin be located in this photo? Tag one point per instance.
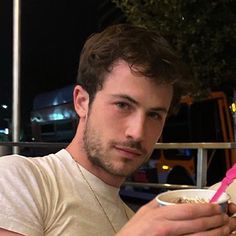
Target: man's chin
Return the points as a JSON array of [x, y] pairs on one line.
[[122, 171], [121, 174], [118, 168]]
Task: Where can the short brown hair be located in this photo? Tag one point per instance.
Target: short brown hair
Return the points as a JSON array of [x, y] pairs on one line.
[[144, 50]]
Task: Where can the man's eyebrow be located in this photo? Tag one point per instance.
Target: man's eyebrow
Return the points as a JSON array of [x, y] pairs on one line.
[[159, 109], [126, 97], [153, 109]]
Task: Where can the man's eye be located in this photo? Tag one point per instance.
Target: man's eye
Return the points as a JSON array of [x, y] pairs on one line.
[[155, 115], [122, 105]]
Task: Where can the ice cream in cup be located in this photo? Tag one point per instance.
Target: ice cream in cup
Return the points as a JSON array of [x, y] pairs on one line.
[[191, 196]]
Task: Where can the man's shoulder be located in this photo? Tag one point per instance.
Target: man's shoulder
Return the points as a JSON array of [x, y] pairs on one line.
[[16, 158], [19, 160], [12, 161], [18, 163]]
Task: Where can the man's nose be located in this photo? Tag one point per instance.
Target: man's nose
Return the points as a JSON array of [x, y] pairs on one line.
[[136, 127]]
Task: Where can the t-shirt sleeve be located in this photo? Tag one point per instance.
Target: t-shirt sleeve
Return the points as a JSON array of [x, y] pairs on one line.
[[21, 201]]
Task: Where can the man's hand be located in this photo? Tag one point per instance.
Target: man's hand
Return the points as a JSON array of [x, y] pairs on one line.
[[232, 222], [180, 219]]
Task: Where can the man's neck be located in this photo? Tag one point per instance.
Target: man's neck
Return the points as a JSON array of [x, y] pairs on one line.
[[81, 158]]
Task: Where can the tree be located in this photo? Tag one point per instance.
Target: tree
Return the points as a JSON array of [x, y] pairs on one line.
[[203, 32]]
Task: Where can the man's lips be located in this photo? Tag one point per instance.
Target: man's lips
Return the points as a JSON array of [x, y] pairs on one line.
[[129, 151]]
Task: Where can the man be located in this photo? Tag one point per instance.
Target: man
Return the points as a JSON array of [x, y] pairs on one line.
[[128, 80]]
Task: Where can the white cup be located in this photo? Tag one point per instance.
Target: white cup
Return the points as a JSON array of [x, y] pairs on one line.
[[191, 196]]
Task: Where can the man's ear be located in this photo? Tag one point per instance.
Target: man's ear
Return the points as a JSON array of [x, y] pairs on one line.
[[81, 101]]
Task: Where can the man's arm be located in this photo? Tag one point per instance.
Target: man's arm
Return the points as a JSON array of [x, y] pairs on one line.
[[4, 232], [20, 178], [179, 219]]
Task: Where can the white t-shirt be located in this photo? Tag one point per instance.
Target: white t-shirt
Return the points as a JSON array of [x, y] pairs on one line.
[[48, 196]]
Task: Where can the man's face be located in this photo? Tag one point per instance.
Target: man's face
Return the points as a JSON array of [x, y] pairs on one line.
[[125, 120]]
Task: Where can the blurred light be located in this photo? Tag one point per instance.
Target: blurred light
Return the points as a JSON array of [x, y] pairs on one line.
[[165, 167], [4, 131], [4, 106], [66, 114], [55, 102], [36, 119], [233, 107], [56, 116]]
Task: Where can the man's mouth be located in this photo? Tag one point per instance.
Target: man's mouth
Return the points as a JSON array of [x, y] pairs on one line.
[[128, 151]]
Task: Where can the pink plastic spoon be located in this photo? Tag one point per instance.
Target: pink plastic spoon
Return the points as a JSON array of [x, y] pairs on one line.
[[228, 179]]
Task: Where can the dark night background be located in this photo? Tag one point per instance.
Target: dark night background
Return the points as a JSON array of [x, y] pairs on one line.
[[52, 35]]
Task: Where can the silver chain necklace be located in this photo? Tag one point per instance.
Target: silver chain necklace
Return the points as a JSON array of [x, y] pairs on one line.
[[97, 199]]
